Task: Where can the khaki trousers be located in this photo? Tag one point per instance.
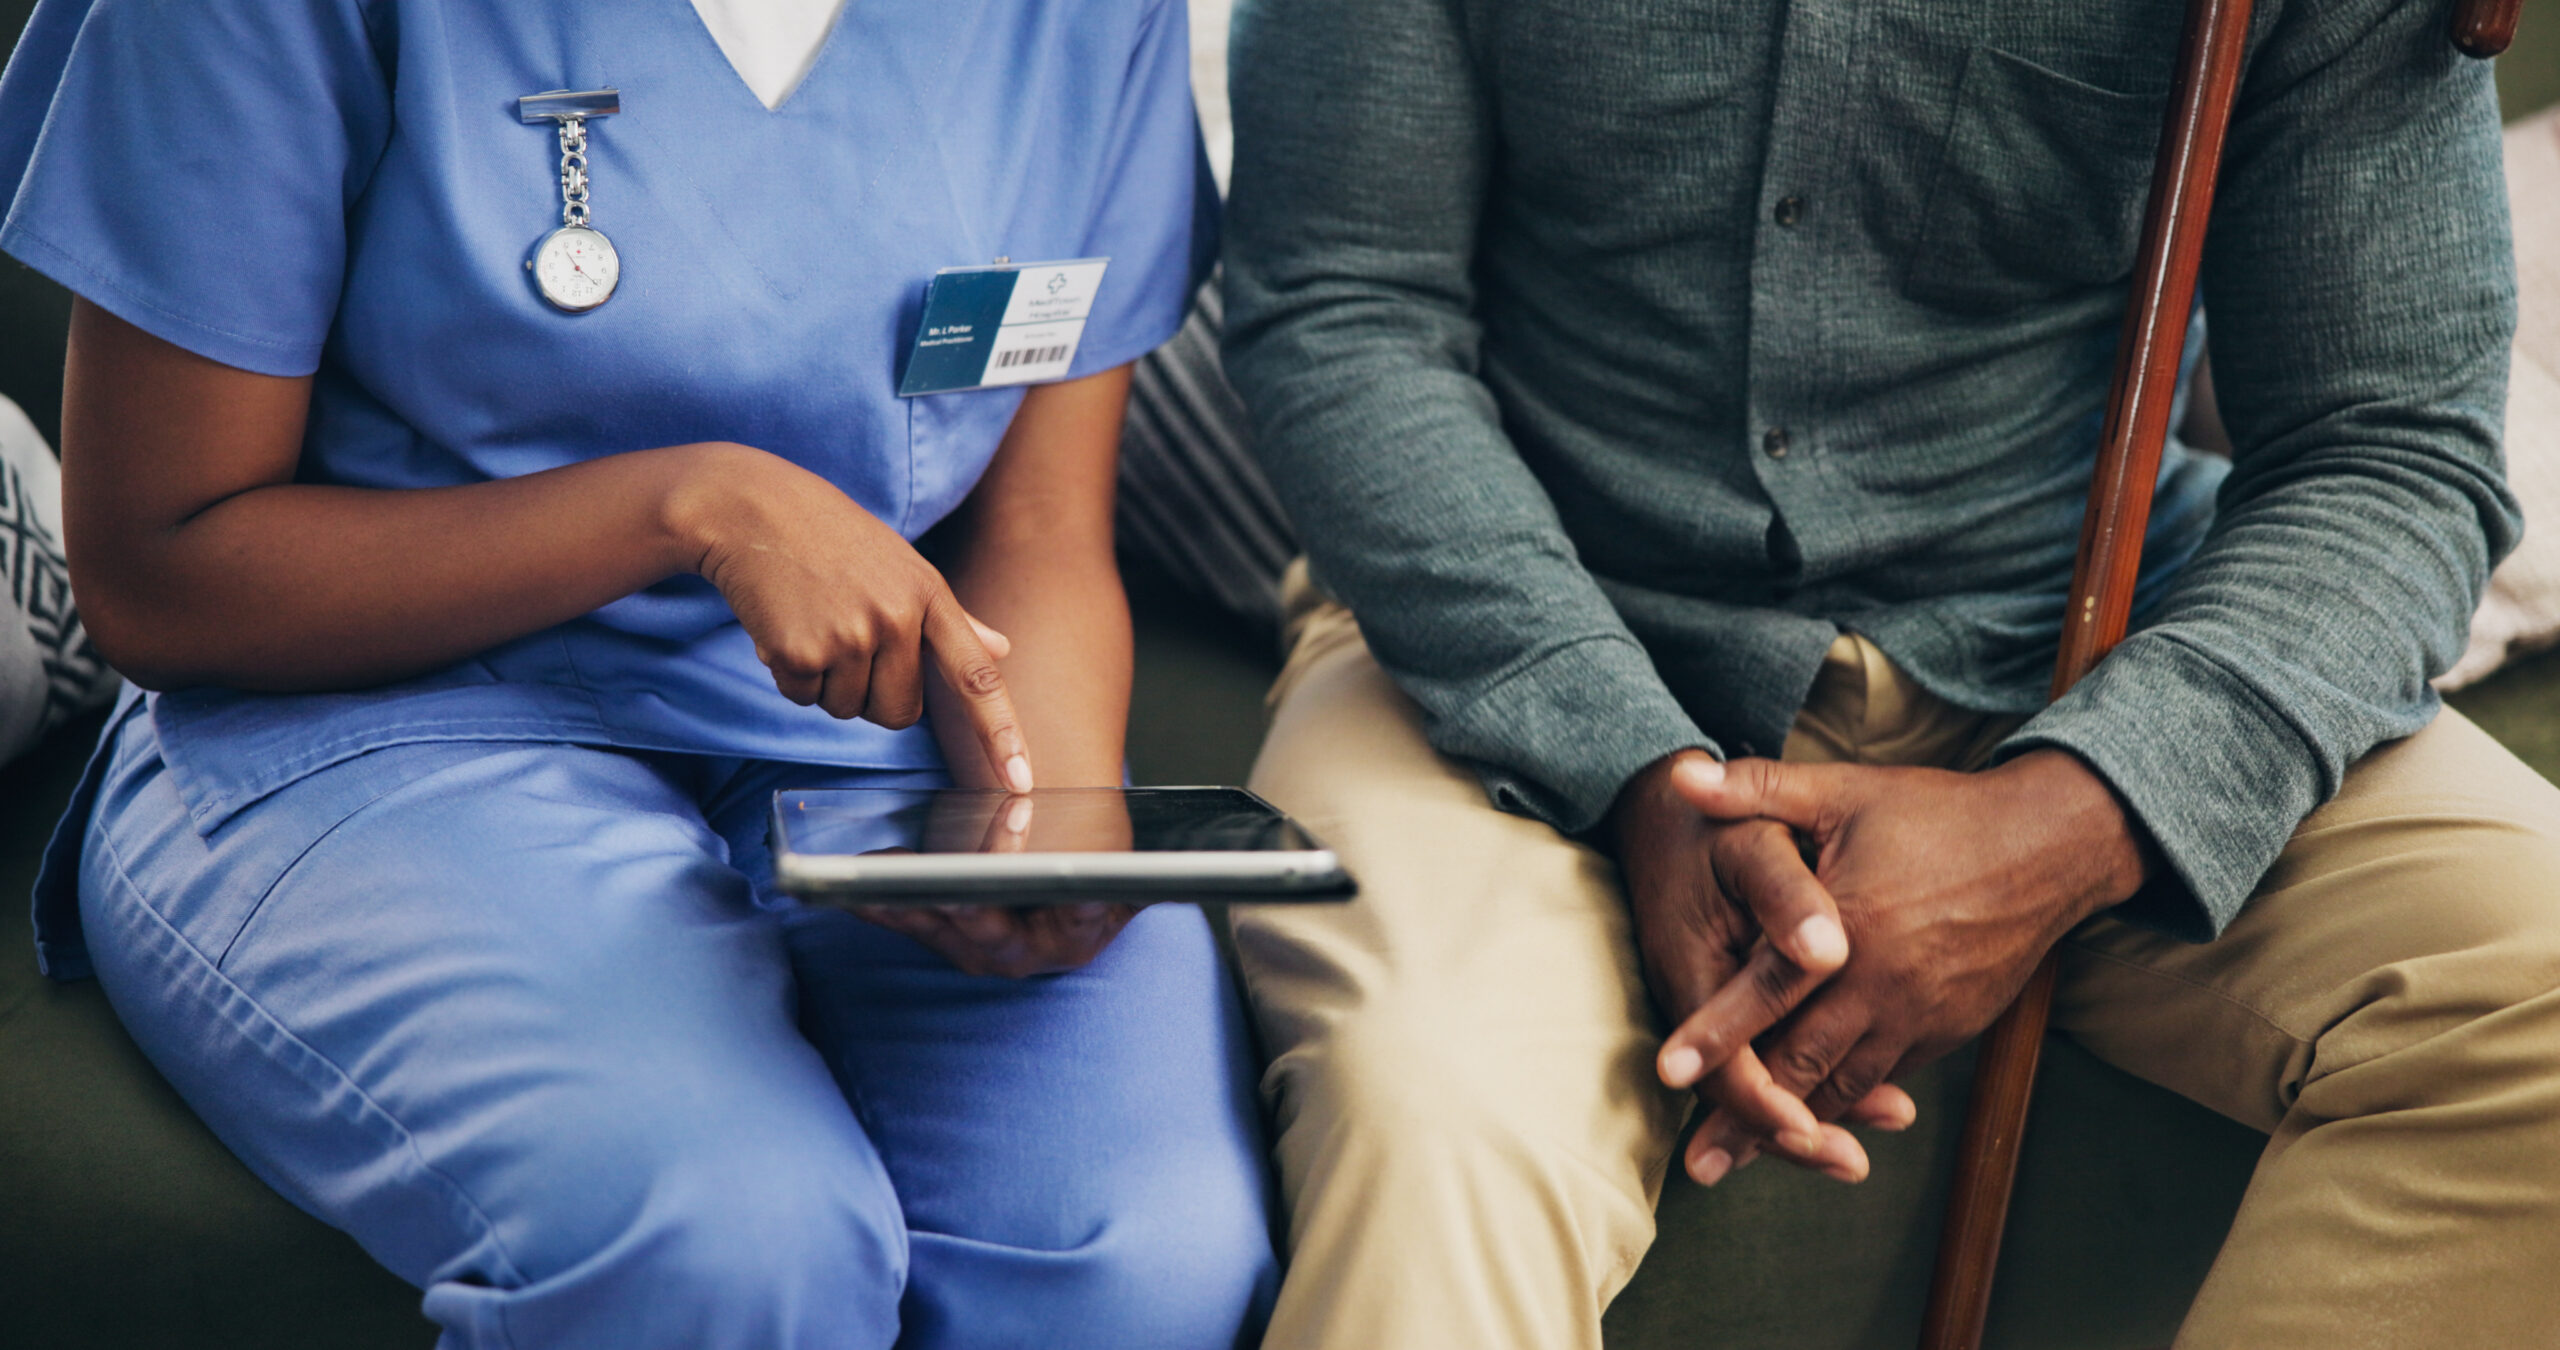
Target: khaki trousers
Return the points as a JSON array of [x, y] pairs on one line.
[[1471, 1140]]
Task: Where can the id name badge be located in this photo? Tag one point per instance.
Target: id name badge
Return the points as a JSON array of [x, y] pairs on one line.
[[1008, 323]]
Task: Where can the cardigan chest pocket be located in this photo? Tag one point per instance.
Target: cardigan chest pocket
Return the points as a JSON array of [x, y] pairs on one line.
[[2039, 189]]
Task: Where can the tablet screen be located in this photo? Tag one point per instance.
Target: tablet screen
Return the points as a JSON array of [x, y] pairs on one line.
[[1057, 820]]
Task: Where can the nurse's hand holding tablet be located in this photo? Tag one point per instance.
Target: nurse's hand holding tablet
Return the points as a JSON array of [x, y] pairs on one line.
[[989, 940], [1073, 863]]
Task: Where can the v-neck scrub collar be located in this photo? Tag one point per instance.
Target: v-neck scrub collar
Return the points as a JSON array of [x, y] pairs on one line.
[[342, 188], [770, 43]]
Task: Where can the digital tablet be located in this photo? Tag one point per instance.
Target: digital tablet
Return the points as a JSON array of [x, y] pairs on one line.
[[957, 846]]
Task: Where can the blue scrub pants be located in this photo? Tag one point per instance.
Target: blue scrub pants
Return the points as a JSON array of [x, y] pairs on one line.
[[525, 1021]]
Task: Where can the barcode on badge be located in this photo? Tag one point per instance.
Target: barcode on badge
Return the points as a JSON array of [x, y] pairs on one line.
[[1029, 356], [1024, 353]]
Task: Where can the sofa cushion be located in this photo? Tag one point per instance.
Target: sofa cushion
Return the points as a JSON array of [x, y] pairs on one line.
[[49, 672], [2521, 611], [1194, 505], [123, 1222]]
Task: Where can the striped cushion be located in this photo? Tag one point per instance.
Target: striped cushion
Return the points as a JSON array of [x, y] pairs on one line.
[[1193, 503], [48, 671]]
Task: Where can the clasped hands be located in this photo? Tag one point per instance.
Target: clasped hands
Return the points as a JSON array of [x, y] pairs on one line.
[[1817, 930]]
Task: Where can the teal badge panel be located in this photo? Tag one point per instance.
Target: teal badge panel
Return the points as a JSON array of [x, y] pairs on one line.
[[962, 310]]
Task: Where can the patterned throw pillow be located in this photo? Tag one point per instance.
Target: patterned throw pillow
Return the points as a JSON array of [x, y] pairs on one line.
[[1193, 503], [48, 671], [1194, 506]]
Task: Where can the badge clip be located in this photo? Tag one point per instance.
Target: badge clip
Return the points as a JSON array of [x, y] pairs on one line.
[[562, 105]]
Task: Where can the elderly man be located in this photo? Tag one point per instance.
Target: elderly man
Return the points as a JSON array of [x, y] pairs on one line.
[[1688, 409]]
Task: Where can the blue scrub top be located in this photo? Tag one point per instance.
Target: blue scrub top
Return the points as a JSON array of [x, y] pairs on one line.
[[343, 187]]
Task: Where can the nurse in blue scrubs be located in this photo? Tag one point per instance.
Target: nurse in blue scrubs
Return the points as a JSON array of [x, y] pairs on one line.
[[484, 619]]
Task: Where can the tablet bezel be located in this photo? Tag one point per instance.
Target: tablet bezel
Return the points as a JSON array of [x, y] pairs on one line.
[[1312, 874]]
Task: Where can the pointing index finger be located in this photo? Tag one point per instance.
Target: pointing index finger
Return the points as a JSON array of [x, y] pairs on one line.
[[966, 666]]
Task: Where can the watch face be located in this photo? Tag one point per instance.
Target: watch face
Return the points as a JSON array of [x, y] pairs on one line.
[[576, 268]]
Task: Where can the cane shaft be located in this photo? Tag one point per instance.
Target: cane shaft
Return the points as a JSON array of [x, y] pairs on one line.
[[2004, 1077], [2148, 354]]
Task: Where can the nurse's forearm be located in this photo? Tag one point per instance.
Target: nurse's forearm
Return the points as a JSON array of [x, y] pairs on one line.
[[293, 587], [1031, 557], [1068, 621], [198, 560]]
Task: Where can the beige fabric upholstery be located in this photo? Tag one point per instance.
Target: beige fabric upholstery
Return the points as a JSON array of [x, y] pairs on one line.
[[2521, 612]]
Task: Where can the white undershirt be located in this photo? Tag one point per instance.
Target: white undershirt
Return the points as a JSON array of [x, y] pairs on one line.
[[770, 43]]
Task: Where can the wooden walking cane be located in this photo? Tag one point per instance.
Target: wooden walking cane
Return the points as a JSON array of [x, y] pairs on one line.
[[2137, 426]]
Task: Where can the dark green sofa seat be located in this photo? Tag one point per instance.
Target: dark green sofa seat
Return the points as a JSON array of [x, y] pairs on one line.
[[124, 1224]]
